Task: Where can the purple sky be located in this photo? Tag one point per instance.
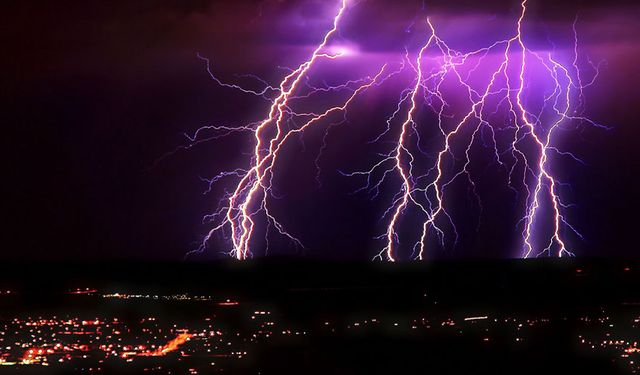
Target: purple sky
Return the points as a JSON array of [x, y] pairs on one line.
[[97, 91]]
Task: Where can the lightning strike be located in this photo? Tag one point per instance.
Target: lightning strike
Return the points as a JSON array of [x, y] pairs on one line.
[[458, 101]]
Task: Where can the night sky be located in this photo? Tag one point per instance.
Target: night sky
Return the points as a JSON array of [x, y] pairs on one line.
[[94, 93]]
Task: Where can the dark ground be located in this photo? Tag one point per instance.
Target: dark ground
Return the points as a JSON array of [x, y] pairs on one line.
[[304, 294]]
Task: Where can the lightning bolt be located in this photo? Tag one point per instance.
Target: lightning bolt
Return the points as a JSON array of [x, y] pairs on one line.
[[401, 149], [524, 126], [493, 87], [250, 196]]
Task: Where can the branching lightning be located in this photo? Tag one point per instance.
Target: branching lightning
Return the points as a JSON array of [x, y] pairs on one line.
[[458, 102]]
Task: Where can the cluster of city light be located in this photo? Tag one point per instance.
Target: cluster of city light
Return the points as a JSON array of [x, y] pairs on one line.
[[48, 341], [617, 338], [45, 341], [171, 297]]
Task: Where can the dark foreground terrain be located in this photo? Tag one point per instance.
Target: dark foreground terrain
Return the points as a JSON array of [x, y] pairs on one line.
[[288, 317]]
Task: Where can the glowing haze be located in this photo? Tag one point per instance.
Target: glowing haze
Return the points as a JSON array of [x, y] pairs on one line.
[[465, 117]]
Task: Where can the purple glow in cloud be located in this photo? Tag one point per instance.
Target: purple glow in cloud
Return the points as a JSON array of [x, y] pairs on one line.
[[461, 107]]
